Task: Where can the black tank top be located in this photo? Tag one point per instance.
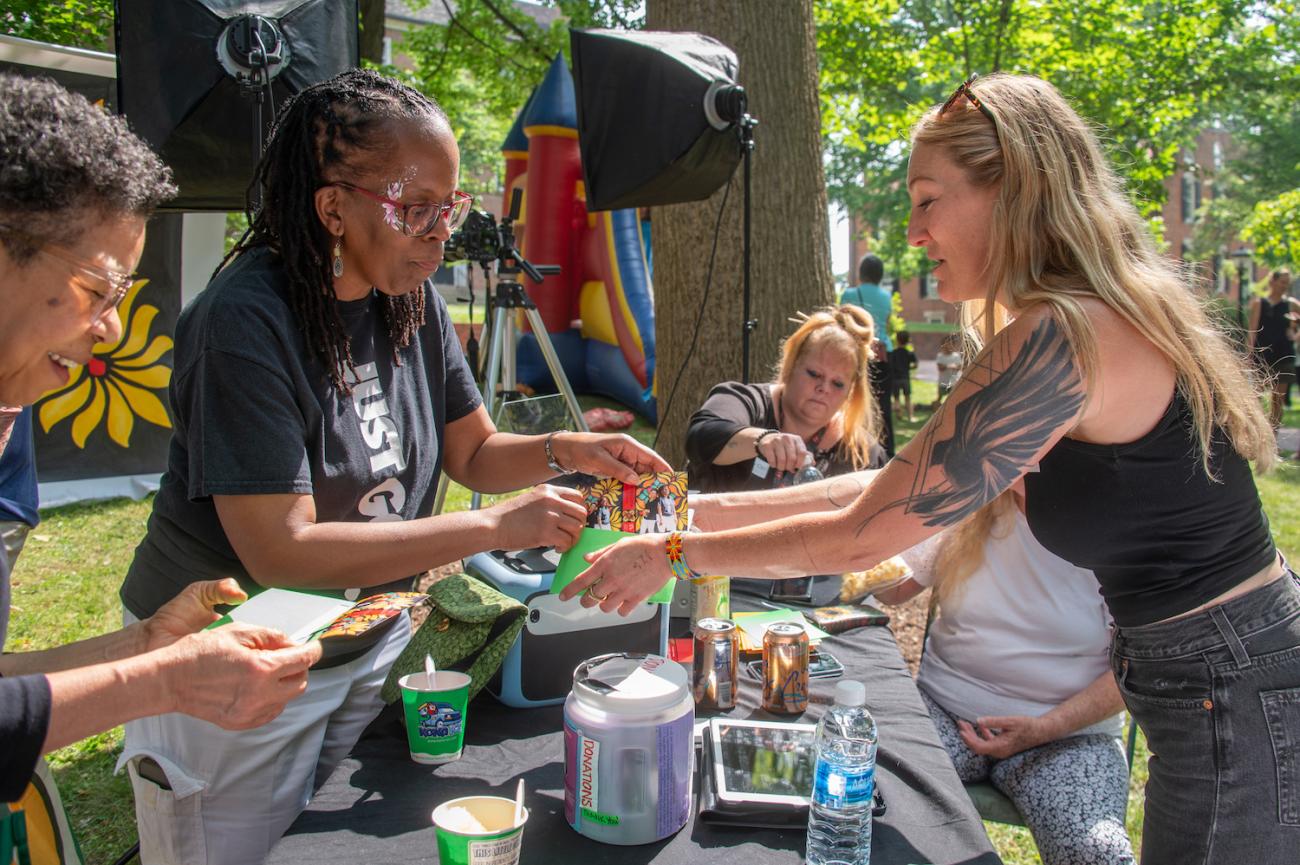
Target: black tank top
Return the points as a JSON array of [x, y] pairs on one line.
[[1161, 536]]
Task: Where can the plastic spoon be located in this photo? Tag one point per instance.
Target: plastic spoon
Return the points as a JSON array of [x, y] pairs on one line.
[[519, 803], [429, 670]]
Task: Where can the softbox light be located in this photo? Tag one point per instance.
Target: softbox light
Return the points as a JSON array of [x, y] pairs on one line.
[[656, 116], [200, 80]]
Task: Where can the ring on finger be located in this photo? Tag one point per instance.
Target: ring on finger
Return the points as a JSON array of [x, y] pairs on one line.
[[591, 590]]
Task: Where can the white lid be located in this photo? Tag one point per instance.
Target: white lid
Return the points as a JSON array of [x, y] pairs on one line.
[[630, 682], [850, 693]]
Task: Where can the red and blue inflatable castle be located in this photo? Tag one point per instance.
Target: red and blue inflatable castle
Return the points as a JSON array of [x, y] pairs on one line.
[[599, 310]]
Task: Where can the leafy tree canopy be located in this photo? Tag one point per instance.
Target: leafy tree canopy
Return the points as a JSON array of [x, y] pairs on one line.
[[1149, 74], [79, 23]]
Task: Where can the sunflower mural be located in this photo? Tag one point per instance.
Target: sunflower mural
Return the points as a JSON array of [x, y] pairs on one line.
[[121, 383]]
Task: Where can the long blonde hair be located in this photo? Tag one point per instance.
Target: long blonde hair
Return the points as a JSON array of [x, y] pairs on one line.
[[851, 330], [1063, 230]]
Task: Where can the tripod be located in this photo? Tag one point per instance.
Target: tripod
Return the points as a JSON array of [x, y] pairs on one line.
[[508, 296]]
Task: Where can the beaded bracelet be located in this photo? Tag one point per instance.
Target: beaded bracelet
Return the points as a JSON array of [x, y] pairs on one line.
[[764, 434], [677, 558]]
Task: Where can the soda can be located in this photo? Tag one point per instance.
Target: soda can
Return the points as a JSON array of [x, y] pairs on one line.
[[785, 668], [713, 668], [710, 599]]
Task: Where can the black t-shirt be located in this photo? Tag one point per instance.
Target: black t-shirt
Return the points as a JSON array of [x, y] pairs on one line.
[[255, 413], [730, 407], [902, 361]]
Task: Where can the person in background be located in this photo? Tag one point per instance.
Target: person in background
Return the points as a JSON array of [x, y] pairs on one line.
[[878, 301], [1016, 675], [754, 436], [948, 361], [19, 494], [75, 190], [1267, 340], [902, 360]]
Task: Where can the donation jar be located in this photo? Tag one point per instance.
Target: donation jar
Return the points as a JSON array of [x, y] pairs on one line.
[[628, 725]]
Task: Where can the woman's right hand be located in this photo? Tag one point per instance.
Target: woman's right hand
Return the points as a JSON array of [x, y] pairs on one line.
[[784, 452], [545, 516]]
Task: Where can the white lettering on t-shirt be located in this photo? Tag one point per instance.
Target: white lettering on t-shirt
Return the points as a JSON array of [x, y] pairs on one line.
[[384, 503], [377, 428], [380, 433]]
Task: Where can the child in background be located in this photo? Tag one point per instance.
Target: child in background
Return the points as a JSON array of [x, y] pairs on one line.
[[902, 360], [949, 362]]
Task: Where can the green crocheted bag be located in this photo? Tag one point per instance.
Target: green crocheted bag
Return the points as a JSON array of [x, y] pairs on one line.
[[470, 628]]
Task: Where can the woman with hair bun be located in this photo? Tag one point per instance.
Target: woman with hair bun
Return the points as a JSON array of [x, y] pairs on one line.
[[752, 436], [1097, 380]]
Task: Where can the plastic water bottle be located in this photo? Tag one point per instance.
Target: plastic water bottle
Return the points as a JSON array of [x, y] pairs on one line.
[[807, 473], [839, 821]]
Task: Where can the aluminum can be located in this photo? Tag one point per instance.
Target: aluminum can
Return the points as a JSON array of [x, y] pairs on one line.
[[710, 599], [785, 668], [713, 668]]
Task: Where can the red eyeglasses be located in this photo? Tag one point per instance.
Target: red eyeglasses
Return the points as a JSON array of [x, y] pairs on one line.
[[418, 219]]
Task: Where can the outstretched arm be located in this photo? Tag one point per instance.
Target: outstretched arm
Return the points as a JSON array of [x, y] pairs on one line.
[[1017, 400]]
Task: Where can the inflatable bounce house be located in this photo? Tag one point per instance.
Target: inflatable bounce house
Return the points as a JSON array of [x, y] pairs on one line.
[[599, 309]]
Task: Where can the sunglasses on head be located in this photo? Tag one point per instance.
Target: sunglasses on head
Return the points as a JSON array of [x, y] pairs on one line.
[[964, 89]]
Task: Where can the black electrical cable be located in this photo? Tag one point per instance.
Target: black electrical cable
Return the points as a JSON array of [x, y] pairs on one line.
[[699, 318]]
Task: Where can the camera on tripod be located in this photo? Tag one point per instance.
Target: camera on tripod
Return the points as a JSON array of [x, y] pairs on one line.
[[479, 240]]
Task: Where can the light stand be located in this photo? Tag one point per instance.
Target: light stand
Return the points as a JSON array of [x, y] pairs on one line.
[[483, 241], [746, 129]]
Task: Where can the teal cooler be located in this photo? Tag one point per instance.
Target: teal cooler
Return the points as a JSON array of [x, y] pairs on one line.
[[557, 636]]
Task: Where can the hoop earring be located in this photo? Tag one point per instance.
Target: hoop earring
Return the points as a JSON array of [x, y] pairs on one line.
[[338, 258]]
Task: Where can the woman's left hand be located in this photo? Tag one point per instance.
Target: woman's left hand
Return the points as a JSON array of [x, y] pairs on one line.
[[606, 455], [1003, 737], [622, 575], [189, 611]]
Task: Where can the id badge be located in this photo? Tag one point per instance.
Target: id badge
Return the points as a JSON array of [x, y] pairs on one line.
[[761, 468]]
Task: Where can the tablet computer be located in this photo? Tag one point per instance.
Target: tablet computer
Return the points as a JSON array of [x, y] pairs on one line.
[[762, 762], [760, 773]]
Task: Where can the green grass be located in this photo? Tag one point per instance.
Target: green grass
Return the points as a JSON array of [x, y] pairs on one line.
[[65, 589]]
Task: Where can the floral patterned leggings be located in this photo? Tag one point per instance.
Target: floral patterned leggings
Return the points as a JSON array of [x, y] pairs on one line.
[[1072, 792]]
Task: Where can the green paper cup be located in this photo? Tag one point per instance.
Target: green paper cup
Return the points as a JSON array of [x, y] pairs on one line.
[[435, 715], [478, 830]]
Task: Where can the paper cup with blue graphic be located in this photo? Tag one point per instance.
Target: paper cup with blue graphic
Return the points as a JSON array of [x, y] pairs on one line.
[[478, 830], [435, 715]]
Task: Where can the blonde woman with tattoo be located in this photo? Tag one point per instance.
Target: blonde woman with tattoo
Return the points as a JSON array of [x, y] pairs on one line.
[[1097, 378]]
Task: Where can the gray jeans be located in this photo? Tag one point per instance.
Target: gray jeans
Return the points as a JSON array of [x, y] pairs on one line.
[[1218, 696]]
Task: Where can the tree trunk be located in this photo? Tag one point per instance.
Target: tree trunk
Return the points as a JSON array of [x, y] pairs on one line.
[[372, 30], [790, 243]]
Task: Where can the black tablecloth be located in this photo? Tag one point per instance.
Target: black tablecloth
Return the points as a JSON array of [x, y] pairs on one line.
[[375, 807]]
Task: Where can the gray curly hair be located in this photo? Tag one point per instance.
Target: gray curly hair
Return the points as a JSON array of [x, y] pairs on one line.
[[67, 163]]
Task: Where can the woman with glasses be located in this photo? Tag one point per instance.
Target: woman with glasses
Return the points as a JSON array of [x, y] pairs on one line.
[[319, 392], [1099, 382], [75, 189]]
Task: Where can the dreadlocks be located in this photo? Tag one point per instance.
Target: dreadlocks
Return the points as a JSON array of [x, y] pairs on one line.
[[328, 126]]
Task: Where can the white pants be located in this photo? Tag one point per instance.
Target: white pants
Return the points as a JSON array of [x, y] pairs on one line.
[[234, 793]]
